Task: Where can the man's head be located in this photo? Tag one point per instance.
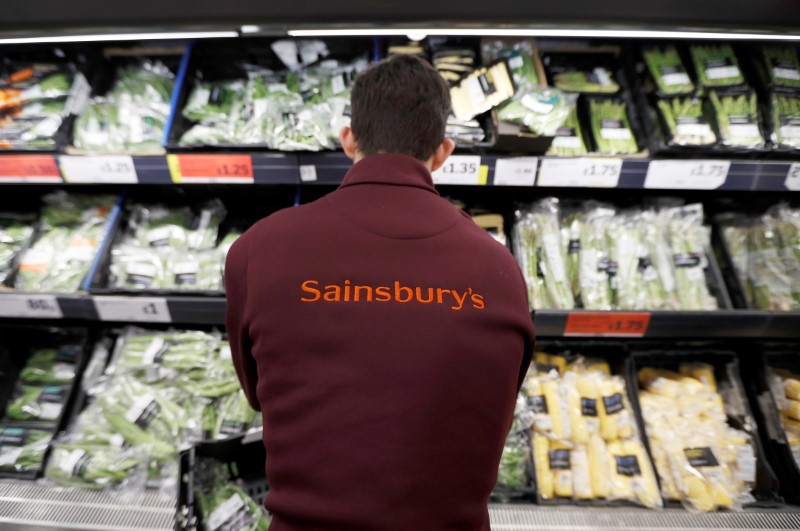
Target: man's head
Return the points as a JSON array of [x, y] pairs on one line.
[[399, 105]]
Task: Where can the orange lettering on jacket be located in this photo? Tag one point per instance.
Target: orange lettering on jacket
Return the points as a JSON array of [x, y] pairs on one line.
[[398, 292]]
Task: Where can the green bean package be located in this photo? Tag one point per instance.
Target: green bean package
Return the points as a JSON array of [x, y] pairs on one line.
[[224, 505], [22, 450]]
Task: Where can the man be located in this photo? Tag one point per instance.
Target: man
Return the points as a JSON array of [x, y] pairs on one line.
[[382, 334]]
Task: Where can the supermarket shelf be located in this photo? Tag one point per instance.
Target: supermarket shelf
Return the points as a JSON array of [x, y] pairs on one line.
[[330, 168]]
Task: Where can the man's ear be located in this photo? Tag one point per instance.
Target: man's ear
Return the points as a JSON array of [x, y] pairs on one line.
[[348, 142], [444, 150]]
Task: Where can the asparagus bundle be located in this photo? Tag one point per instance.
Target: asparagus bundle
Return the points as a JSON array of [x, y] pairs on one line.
[[716, 65], [569, 138], [596, 81], [685, 121], [611, 127], [667, 69], [737, 119], [690, 239], [786, 119], [783, 66]]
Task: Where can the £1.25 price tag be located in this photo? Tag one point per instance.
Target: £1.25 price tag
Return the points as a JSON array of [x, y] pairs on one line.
[[33, 305], [459, 169], [620, 324], [518, 171], [792, 181], [98, 169], [233, 169], [133, 309], [29, 169], [580, 172], [687, 174]]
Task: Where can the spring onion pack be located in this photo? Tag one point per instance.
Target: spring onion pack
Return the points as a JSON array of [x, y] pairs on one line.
[[737, 118], [611, 127], [716, 65], [666, 68]]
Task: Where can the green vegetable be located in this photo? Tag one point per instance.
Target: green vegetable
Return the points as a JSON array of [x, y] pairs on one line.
[[38, 403], [571, 247], [597, 81], [14, 235], [180, 350], [686, 122], [716, 65], [88, 467], [737, 118], [211, 102], [611, 128], [512, 473], [50, 366], [782, 66], [235, 415], [667, 69], [786, 119], [541, 110], [22, 450], [690, 239], [215, 489], [594, 277], [569, 138]]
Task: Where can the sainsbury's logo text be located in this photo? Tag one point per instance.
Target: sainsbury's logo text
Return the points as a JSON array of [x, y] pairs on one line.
[[313, 291]]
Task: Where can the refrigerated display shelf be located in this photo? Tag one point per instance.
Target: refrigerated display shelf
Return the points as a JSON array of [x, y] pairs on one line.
[[331, 167]]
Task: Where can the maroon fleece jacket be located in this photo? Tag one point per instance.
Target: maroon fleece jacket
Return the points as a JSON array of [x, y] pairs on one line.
[[384, 337]]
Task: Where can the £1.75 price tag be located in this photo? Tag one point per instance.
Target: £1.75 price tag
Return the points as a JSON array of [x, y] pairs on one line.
[[29, 169], [34, 305], [581, 172], [234, 169], [98, 169], [133, 309], [792, 181], [459, 169], [518, 171], [687, 174], [620, 324]]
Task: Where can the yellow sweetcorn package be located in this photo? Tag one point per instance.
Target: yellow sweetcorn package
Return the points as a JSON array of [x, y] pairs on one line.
[[700, 371]]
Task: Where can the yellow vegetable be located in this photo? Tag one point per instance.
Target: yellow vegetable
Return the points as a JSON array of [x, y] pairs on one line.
[[620, 484], [791, 387], [792, 409], [598, 467], [541, 458], [700, 371], [579, 428], [646, 487], [580, 474], [550, 389], [562, 477]]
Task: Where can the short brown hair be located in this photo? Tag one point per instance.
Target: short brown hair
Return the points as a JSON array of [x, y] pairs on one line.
[[400, 105]]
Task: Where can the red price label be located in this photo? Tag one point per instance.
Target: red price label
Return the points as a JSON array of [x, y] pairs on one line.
[[29, 169], [211, 168], [625, 324]]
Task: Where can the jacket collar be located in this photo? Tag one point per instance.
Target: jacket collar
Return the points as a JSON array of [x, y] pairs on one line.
[[390, 168]]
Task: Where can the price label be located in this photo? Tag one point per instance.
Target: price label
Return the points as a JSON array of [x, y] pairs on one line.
[[29, 169], [308, 173], [101, 169], [133, 309], [233, 169], [581, 172], [620, 324], [687, 174], [459, 169], [792, 181], [36, 306], [519, 171]]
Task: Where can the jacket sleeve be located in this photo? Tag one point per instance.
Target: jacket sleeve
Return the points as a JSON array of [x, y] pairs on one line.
[[529, 333], [235, 320]]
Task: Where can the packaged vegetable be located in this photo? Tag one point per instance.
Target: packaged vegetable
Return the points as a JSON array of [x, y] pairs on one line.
[[685, 121], [568, 141], [543, 111], [666, 68], [737, 118], [716, 65], [223, 504], [782, 66], [786, 120], [34, 403], [598, 80], [95, 467], [15, 234], [611, 127], [22, 449]]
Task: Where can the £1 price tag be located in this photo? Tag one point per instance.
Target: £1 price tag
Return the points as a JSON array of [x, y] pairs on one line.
[[580, 172], [98, 169], [518, 171], [687, 174], [33, 305], [234, 169], [459, 169], [792, 181], [133, 309], [620, 324], [29, 169]]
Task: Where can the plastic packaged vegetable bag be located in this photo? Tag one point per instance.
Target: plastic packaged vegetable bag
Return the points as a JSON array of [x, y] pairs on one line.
[[223, 504], [72, 464], [22, 449], [33, 403]]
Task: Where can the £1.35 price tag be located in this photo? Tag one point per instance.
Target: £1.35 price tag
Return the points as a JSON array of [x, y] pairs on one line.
[[133, 309], [98, 169], [33, 305], [792, 181], [234, 169], [620, 324], [580, 172], [29, 169], [518, 171], [459, 169], [687, 174]]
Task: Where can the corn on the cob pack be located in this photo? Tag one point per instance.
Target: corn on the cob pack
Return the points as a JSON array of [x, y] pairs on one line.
[[785, 386], [701, 460], [585, 442]]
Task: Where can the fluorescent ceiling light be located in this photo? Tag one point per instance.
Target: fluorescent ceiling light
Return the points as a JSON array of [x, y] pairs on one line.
[[544, 32], [120, 37], [249, 28]]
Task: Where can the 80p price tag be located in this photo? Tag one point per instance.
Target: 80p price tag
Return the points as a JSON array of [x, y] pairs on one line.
[[582, 172], [459, 169], [519, 171], [687, 174], [133, 309], [35, 306]]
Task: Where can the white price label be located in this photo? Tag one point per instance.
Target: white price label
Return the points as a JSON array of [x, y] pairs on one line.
[[308, 173], [133, 309], [676, 78], [459, 169], [687, 174], [722, 72], [99, 169], [792, 181], [581, 172], [30, 306], [520, 171]]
